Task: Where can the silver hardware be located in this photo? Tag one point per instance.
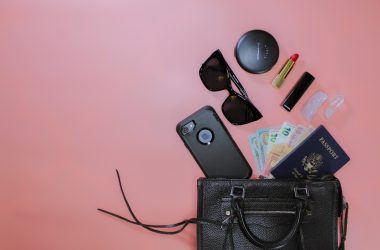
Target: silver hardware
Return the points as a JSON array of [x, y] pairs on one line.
[[301, 192], [237, 192]]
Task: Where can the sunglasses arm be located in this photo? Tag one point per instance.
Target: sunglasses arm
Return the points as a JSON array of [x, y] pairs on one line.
[[233, 77]]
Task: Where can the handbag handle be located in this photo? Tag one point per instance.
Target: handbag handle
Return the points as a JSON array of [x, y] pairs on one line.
[[236, 200]]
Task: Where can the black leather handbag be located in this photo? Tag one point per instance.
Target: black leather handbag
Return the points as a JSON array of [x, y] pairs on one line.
[[245, 214], [270, 214]]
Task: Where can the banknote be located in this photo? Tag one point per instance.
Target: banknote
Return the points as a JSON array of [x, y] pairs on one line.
[[273, 133], [262, 137], [255, 149], [286, 131], [272, 136], [281, 145], [299, 135]]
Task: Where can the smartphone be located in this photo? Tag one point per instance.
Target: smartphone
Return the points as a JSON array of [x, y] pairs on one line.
[[212, 146]]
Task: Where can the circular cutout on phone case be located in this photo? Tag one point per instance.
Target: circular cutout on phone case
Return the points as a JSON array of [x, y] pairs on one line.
[[205, 136]]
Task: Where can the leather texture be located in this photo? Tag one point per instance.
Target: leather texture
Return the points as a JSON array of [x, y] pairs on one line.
[[269, 209]]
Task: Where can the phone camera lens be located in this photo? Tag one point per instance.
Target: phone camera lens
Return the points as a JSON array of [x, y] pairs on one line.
[[205, 136]]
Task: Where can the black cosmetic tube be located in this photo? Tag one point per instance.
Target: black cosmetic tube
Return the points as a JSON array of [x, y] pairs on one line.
[[297, 91]]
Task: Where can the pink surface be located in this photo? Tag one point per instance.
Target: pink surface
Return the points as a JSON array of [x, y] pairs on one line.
[[91, 86]]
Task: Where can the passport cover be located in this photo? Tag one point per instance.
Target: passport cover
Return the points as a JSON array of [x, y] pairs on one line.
[[319, 154]]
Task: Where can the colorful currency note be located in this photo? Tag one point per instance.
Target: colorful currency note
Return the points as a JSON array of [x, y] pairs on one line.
[[255, 148], [299, 135], [272, 136], [281, 145], [262, 137]]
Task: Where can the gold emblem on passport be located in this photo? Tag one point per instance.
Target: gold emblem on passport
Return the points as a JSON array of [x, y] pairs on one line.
[[312, 162]]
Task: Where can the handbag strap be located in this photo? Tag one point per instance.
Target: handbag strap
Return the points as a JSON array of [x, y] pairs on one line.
[[343, 225], [237, 198], [154, 228]]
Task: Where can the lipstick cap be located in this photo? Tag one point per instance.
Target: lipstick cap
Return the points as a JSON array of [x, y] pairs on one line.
[[297, 91]]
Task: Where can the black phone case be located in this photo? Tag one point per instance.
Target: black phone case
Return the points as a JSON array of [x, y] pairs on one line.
[[221, 157]]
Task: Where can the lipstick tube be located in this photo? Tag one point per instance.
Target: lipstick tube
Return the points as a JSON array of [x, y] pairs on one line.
[[280, 78], [297, 91]]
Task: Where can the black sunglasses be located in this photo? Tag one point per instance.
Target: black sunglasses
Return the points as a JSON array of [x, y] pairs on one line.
[[216, 75]]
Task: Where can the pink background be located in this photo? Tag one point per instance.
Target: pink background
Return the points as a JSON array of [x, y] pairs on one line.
[[88, 86]]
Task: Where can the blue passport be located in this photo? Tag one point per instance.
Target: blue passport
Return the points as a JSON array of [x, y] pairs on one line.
[[319, 154]]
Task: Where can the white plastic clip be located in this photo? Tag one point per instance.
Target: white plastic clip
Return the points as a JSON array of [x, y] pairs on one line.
[[334, 105], [312, 106]]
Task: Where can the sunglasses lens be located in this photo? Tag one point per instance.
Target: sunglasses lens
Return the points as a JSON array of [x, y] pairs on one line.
[[214, 75], [238, 111]]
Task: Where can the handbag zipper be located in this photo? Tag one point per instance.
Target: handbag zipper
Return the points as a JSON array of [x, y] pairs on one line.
[[258, 212], [268, 212]]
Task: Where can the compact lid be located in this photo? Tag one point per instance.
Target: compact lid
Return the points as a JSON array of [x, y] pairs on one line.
[[257, 51]]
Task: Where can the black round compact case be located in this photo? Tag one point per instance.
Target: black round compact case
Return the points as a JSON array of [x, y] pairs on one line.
[[257, 51]]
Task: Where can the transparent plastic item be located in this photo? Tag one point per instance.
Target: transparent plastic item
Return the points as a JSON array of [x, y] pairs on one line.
[[334, 105], [313, 104]]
